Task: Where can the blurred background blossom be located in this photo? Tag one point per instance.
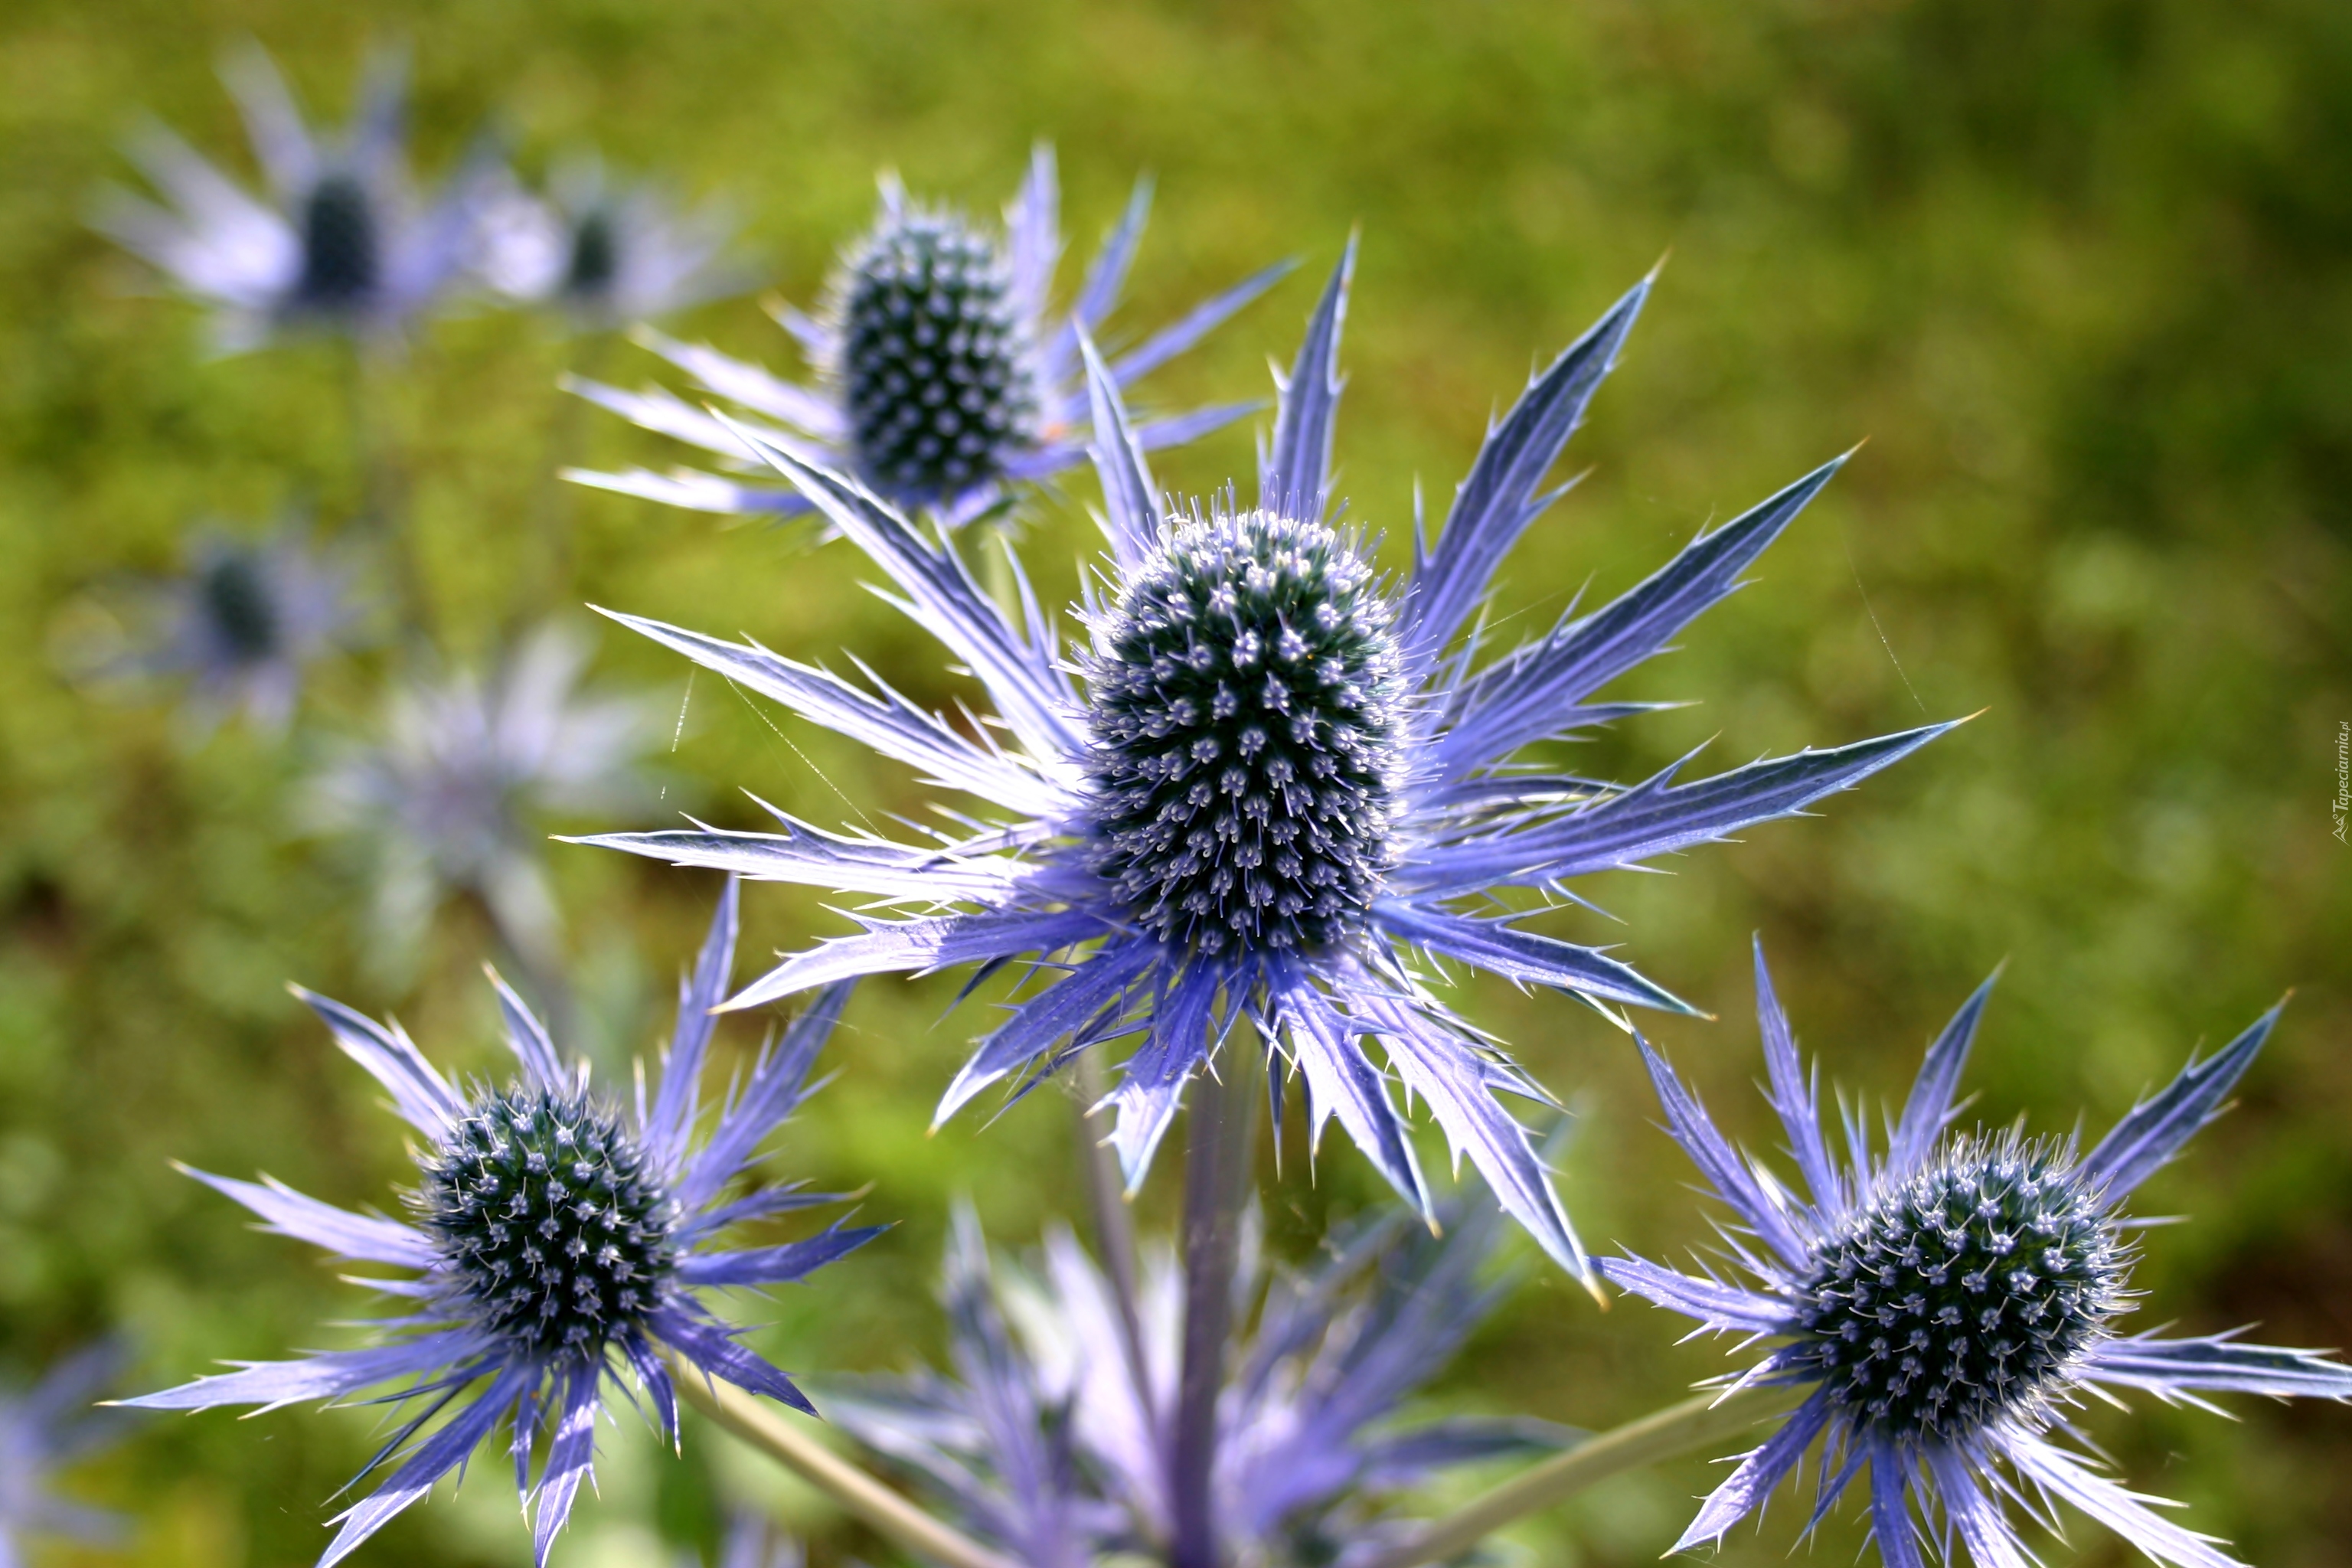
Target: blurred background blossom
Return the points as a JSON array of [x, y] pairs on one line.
[[2074, 272]]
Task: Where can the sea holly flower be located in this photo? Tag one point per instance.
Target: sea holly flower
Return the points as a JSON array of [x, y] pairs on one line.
[[1052, 1436], [1945, 1300], [446, 797], [340, 241], [44, 1430], [1278, 781], [563, 1242], [603, 253], [240, 626], [945, 368]]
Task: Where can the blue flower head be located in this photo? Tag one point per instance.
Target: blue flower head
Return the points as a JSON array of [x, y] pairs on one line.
[[339, 242], [562, 1242], [244, 621], [42, 1430], [1943, 1302], [444, 798], [605, 254], [945, 368], [1052, 1438], [1277, 780]]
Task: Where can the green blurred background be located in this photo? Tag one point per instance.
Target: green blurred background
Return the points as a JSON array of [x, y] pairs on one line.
[[2077, 273]]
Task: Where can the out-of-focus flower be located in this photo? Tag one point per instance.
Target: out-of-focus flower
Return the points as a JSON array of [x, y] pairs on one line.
[[340, 241], [242, 622], [447, 796], [603, 254], [751, 1544], [1053, 1437], [563, 1240], [43, 1431], [1945, 1301], [945, 369], [1278, 782]]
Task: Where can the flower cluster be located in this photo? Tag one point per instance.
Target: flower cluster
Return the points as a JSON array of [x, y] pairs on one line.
[[1279, 782], [1240, 819]]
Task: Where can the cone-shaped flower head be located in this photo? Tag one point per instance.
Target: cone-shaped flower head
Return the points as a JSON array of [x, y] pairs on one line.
[[446, 798], [945, 369], [44, 1430], [603, 254], [563, 1243], [1052, 1436], [339, 242], [243, 622], [1278, 779], [1944, 1302]]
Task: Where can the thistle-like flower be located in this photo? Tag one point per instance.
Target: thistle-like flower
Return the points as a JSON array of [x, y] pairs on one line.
[[561, 1241], [340, 242], [1945, 1301], [604, 255], [1053, 1436], [1280, 777], [44, 1430], [243, 622], [445, 799], [944, 370]]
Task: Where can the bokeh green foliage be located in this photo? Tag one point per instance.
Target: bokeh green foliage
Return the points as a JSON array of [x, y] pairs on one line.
[[2075, 271]]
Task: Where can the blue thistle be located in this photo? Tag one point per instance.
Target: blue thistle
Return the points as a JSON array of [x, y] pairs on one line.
[[1280, 778], [446, 797], [944, 370], [1943, 1302], [604, 253], [243, 622], [42, 1430], [340, 242], [1052, 1438], [561, 1241]]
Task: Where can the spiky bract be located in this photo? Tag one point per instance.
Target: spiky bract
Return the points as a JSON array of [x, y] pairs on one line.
[[1050, 1435], [339, 242], [562, 1246], [1154, 874], [945, 369], [601, 252], [1943, 1303]]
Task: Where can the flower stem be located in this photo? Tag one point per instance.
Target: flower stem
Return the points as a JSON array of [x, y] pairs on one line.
[[1662, 1435], [1220, 1139], [884, 1511], [1114, 1233]]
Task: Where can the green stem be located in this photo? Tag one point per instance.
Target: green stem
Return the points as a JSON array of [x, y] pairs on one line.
[[1114, 1231], [860, 1495], [1663, 1435], [1220, 1137]]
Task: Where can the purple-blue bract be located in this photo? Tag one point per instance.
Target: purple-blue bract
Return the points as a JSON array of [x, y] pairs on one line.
[[244, 621], [604, 252], [1279, 782], [1053, 1436], [936, 333], [561, 1242], [340, 242], [1945, 1300], [42, 1430]]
